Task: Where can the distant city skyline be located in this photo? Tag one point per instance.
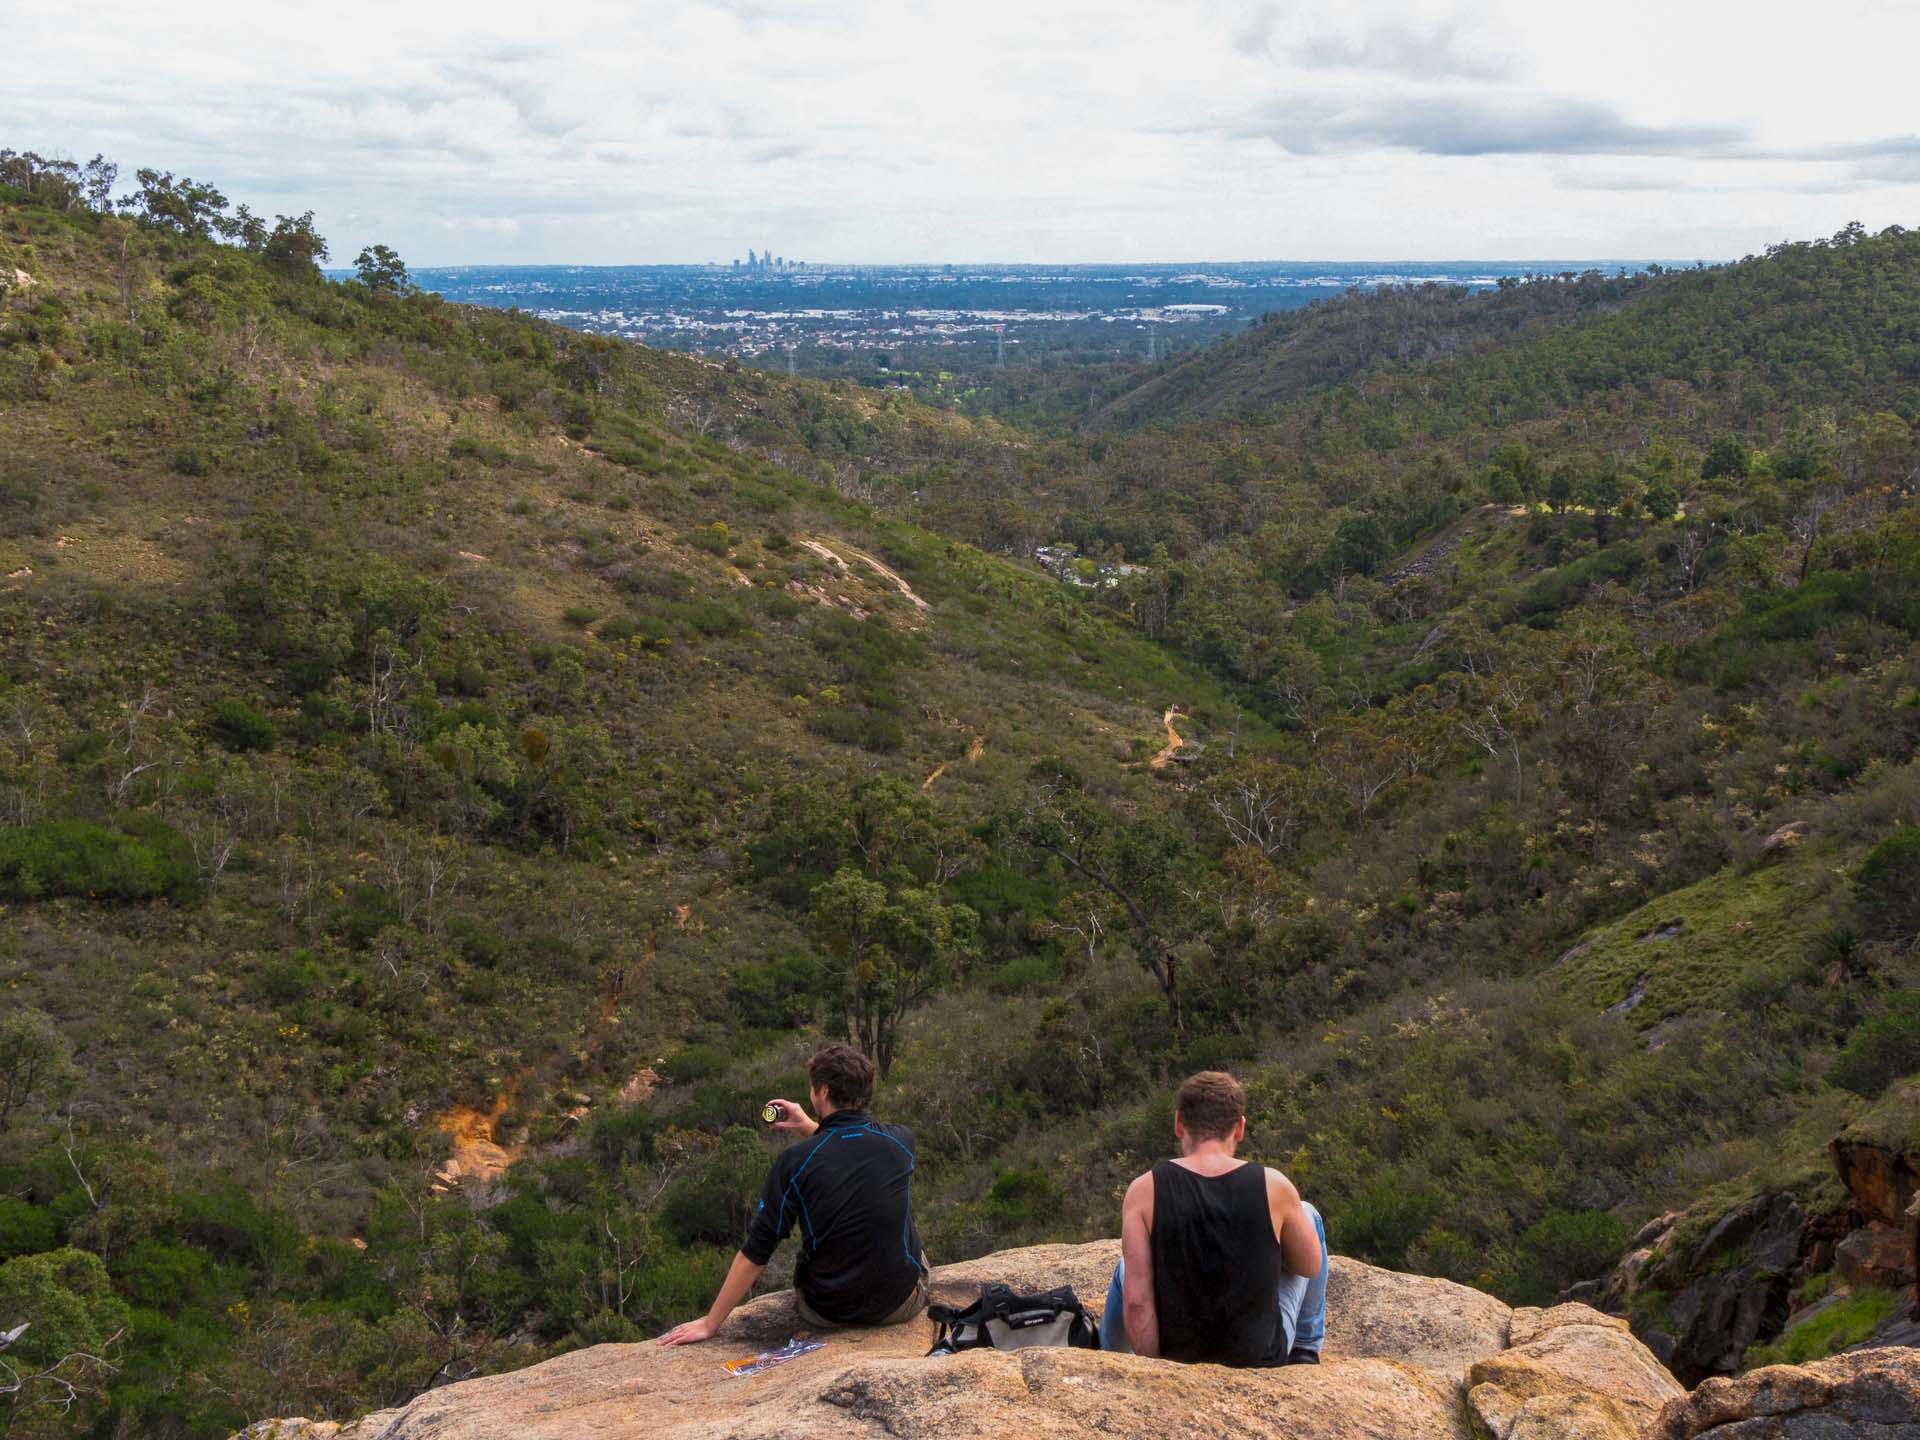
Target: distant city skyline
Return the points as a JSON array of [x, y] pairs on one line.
[[1058, 132]]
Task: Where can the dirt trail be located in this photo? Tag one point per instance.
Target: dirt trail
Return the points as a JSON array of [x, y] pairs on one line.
[[1174, 742], [882, 571], [974, 752]]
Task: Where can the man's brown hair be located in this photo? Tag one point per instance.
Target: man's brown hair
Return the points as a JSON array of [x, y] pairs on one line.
[[1210, 1105], [845, 1074]]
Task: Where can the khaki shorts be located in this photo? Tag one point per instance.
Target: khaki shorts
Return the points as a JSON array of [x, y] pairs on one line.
[[915, 1302]]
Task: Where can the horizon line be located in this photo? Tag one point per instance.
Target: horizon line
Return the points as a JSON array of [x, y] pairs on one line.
[[1562, 263]]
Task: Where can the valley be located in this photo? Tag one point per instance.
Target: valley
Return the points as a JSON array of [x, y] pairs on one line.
[[454, 767]]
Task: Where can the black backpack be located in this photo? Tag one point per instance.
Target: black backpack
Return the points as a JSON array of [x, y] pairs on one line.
[[1002, 1320]]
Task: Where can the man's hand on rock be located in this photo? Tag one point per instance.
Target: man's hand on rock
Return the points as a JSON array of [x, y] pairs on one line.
[[794, 1117], [691, 1333]]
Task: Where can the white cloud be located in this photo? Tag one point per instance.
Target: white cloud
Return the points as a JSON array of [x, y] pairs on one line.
[[644, 130]]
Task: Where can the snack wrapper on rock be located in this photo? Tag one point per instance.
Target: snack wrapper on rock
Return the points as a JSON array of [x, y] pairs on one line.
[[754, 1364]]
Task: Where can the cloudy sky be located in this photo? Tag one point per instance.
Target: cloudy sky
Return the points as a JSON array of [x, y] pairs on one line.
[[608, 131]]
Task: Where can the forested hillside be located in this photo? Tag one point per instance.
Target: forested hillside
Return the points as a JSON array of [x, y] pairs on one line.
[[454, 769]]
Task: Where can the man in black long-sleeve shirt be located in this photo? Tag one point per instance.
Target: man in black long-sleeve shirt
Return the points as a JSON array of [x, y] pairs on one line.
[[848, 1188]]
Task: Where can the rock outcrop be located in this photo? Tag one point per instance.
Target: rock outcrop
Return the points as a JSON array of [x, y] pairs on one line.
[[1704, 1294], [1881, 1178], [1569, 1373], [1878, 1160], [1862, 1395], [1719, 1293], [1403, 1353]]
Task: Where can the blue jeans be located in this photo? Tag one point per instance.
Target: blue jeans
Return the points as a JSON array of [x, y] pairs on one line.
[[1302, 1301]]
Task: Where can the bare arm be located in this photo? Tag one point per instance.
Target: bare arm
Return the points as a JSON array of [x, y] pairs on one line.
[[1293, 1227], [1136, 1253], [740, 1278]]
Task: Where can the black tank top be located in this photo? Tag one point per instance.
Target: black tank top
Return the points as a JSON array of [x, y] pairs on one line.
[[1216, 1266]]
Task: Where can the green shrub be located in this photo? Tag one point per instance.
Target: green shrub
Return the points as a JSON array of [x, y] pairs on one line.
[[579, 616], [712, 618], [66, 1302], [778, 994], [1565, 1247], [1881, 1049], [161, 1276], [694, 1063], [365, 911], [881, 734], [191, 460], [1033, 974], [79, 858], [287, 978], [25, 1229], [623, 1135], [78, 751], [780, 604], [1887, 886], [712, 1201], [677, 1285], [1024, 1197], [238, 726], [1384, 1220]]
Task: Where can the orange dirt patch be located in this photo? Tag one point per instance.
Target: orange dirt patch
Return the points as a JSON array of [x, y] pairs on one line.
[[478, 1158], [1174, 742], [974, 751]]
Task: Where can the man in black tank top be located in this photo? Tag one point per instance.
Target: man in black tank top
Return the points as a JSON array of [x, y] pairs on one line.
[[1221, 1261]]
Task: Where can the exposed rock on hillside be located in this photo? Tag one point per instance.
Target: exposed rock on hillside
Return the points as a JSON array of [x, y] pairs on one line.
[[1864, 1395], [1401, 1353], [1723, 1291], [1882, 1178]]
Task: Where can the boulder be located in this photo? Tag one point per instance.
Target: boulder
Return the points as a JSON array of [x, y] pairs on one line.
[[1861, 1395], [1768, 1228], [1400, 1352], [1716, 1320], [1079, 1392], [1785, 837], [1877, 1256], [1571, 1374], [1434, 1324]]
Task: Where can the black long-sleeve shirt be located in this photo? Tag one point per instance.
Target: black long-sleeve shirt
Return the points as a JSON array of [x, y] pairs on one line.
[[849, 1187]]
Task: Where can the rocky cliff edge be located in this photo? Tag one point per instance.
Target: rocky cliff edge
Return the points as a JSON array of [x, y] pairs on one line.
[[1407, 1358]]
